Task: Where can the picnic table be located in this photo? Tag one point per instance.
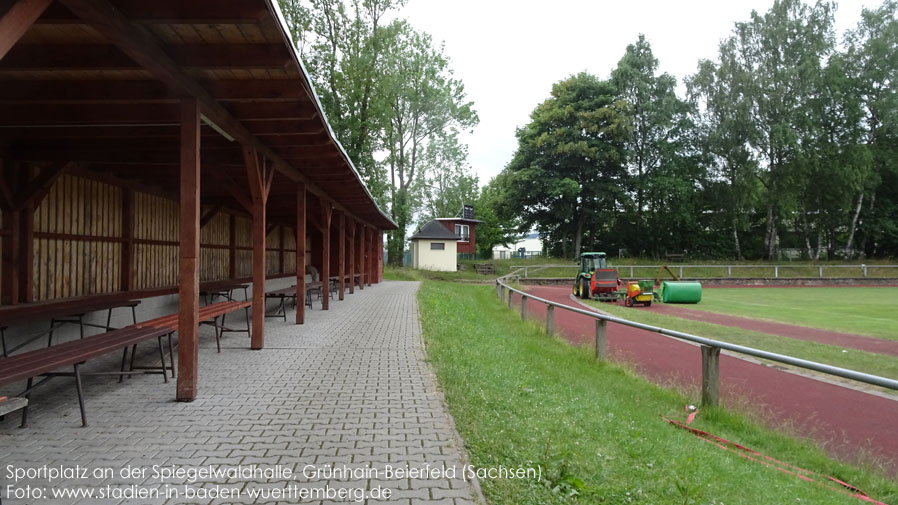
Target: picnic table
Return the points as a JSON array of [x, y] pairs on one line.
[[58, 313], [222, 289]]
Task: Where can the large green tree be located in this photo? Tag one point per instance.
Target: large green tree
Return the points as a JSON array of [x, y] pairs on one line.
[[569, 165]]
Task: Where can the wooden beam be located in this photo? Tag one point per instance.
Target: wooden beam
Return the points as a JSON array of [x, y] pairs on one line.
[[128, 246], [341, 255], [189, 252], [193, 12], [254, 174], [210, 215], [300, 253], [237, 191], [36, 189], [326, 213], [379, 268], [16, 21], [6, 197], [351, 225]]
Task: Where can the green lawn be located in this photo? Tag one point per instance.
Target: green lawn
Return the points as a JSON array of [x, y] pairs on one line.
[[867, 311], [520, 398], [877, 364]]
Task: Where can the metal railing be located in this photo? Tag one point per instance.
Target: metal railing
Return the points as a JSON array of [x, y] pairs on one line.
[[710, 348], [861, 269]]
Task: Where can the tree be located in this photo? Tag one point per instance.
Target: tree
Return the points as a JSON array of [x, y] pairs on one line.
[[501, 221], [426, 104], [569, 163], [447, 182]]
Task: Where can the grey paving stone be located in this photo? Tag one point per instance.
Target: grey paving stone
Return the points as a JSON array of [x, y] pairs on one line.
[[351, 386]]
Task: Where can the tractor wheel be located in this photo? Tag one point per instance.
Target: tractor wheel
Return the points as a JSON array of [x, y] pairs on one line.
[[648, 303], [584, 289]]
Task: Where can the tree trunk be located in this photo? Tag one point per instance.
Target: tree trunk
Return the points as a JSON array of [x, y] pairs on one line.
[[771, 236], [849, 253], [739, 254], [578, 234]]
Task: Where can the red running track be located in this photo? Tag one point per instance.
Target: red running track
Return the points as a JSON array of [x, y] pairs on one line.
[[879, 346], [848, 423]]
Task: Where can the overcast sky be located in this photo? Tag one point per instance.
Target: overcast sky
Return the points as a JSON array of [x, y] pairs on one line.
[[509, 53]]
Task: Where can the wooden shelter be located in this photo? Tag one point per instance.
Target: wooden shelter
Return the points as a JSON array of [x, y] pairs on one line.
[[147, 146]]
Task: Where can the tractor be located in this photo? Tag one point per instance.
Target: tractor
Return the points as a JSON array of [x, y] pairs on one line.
[[595, 280]]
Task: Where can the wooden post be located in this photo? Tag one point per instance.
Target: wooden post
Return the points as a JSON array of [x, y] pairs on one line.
[[281, 250], [232, 247], [510, 299], [26, 253], [523, 307], [326, 214], [128, 236], [601, 339], [502, 293], [300, 253], [258, 186], [380, 256], [370, 264], [189, 249], [550, 319], [360, 262], [351, 256], [341, 255], [710, 375]]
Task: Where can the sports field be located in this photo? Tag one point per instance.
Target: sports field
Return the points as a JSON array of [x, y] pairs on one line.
[[870, 311]]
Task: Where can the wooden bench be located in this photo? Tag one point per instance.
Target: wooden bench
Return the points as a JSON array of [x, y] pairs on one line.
[[47, 361], [58, 313], [207, 314], [282, 295], [13, 404]]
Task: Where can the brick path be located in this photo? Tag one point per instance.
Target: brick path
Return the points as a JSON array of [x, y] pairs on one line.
[[349, 387]]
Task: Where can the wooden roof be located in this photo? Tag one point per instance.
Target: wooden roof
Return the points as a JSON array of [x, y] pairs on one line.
[[96, 84]]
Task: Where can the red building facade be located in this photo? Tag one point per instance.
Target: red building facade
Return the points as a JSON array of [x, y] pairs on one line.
[[464, 228]]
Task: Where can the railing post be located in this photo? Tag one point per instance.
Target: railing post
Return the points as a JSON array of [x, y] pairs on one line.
[[510, 298], [864, 267], [631, 272], [681, 271], [776, 271], [498, 290], [601, 339], [525, 272], [502, 292], [523, 307], [820, 271], [729, 271], [550, 319], [710, 375]]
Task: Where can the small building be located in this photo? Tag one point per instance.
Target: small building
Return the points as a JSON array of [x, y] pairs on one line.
[[465, 228], [434, 247]]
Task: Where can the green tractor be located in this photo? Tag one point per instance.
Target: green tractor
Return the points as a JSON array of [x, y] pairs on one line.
[[595, 279]]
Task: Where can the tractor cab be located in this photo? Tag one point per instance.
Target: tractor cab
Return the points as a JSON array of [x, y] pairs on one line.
[[590, 261]]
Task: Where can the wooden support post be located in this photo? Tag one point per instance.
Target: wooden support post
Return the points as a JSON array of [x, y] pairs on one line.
[[232, 247], [341, 255], [710, 375], [498, 290], [361, 258], [258, 185], [16, 21], [380, 256], [128, 236], [370, 263], [326, 213], [26, 253], [351, 225], [601, 339], [9, 176], [523, 307], [300, 253], [510, 299], [550, 319], [189, 252], [502, 293]]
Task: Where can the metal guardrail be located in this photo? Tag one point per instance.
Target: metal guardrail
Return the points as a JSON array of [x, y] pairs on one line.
[[862, 268], [710, 348]]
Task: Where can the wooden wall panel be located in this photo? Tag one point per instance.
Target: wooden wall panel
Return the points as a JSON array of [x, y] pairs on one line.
[[156, 228], [77, 239], [214, 255], [244, 263]]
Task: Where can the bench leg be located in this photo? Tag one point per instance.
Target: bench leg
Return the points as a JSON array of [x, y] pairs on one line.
[[27, 397], [80, 394], [50, 334], [81, 324], [134, 314], [162, 357], [218, 332], [171, 357], [284, 307], [3, 340], [133, 354], [109, 319], [124, 362]]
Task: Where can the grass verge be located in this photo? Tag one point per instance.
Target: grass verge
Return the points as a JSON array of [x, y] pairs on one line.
[[866, 311], [520, 398]]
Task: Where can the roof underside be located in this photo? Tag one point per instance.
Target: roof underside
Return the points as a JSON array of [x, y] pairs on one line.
[[101, 91]]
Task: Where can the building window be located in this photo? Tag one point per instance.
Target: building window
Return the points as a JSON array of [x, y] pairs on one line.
[[437, 246], [463, 231]]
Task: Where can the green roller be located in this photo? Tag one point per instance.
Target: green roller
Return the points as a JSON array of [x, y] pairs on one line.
[[681, 292]]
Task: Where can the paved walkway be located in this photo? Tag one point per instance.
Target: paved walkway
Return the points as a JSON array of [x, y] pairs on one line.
[[348, 390], [847, 422]]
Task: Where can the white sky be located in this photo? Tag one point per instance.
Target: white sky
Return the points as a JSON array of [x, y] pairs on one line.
[[509, 53]]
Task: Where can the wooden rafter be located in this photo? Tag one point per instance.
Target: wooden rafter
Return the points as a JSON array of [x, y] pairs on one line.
[[210, 215], [16, 21], [35, 191]]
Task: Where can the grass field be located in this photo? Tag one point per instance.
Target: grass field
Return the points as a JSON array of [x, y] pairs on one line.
[[520, 398], [871, 311], [877, 364]]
